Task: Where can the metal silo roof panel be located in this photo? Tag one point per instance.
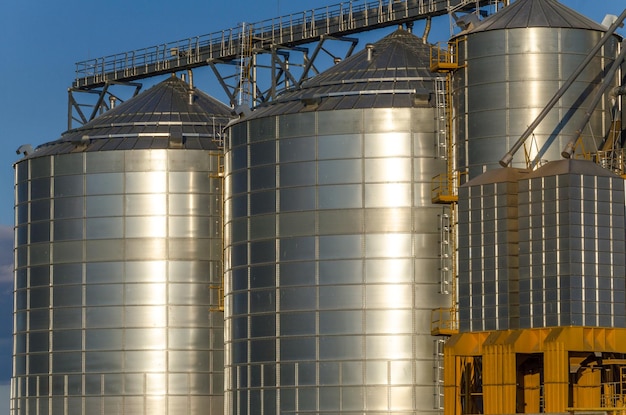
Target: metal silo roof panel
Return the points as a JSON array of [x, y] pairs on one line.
[[328, 104], [399, 63], [160, 143], [150, 113], [383, 101], [537, 13], [401, 101], [127, 143], [347, 102], [110, 144], [193, 143], [96, 145], [144, 143]]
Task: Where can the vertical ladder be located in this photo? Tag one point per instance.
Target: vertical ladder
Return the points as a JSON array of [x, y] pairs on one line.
[[441, 106], [438, 372], [445, 252], [445, 61], [245, 65]]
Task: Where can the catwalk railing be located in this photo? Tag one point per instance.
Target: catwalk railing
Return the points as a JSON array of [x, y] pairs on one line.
[[286, 31]]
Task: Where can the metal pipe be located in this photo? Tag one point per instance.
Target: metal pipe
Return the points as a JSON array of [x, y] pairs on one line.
[[618, 91], [569, 147], [190, 92], [508, 157], [190, 77], [426, 30]]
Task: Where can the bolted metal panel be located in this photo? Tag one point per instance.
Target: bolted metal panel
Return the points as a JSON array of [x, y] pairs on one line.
[[116, 254], [488, 286], [511, 70], [151, 120], [116, 310], [331, 261], [542, 248], [570, 276], [333, 292]]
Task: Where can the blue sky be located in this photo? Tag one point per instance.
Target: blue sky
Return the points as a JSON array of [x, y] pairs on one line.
[[41, 41]]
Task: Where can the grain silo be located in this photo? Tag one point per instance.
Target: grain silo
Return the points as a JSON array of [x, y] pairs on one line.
[[541, 292], [541, 271], [571, 239], [332, 241], [118, 241], [489, 251], [510, 66], [542, 249]]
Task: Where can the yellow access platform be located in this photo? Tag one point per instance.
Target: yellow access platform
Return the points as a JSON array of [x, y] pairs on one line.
[[546, 370]]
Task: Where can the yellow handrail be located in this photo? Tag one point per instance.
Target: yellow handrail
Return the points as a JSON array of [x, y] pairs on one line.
[[444, 322]]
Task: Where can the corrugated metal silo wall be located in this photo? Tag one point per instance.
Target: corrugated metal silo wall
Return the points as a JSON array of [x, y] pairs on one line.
[[488, 252], [331, 262], [115, 253], [542, 249], [572, 248], [507, 78]]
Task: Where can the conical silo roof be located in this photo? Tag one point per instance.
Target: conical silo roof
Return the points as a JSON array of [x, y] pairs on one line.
[[571, 166], [153, 119], [387, 74], [537, 13], [506, 174]]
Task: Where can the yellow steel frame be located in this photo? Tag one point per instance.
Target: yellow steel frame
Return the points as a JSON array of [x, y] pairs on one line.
[[443, 321], [443, 188], [557, 350], [445, 58]]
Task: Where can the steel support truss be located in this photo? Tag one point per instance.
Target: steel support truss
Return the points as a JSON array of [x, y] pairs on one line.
[[266, 73], [88, 109], [275, 70]]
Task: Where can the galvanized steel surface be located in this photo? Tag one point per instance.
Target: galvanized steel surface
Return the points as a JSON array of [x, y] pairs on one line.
[[571, 239], [542, 249], [537, 13], [333, 263], [159, 118], [488, 278], [396, 76], [332, 260], [115, 254], [510, 72]]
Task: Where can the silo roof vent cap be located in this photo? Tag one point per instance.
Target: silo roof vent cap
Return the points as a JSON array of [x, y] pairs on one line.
[[370, 51], [24, 149]]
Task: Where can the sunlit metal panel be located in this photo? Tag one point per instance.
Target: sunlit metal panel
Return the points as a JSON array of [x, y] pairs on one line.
[[117, 252], [331, 281], [511, 65]]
